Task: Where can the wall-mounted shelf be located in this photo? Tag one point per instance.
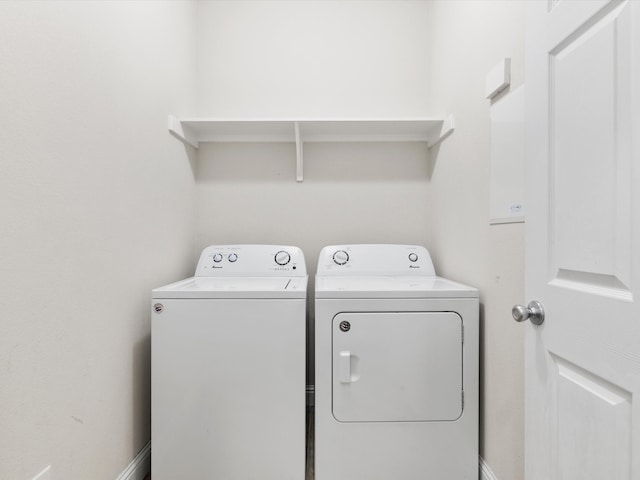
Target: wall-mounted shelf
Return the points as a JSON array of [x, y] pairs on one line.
[[193, 131]]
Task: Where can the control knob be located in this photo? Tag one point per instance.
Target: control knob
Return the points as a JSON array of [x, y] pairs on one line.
[[217, 258], [232, 257], [340, 257], [413, 257], [282, 258]]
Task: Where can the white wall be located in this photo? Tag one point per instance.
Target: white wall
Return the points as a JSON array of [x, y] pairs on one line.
[[372, 59], [96, 208], [468, 39], [321, 59], [97, 200], [314, 58]]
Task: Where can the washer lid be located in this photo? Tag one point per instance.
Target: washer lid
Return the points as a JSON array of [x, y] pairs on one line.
[[391, 287], [234, 287]]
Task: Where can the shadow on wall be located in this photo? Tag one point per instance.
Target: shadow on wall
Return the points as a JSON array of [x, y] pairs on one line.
[[482, 350], [141, 391], [323, 162], [192, 157]]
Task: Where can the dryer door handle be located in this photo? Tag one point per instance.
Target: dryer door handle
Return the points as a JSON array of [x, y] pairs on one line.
[[344, 367]]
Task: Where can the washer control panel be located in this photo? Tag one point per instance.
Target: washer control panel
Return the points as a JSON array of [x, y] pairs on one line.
[[251, 260], [369, 259]]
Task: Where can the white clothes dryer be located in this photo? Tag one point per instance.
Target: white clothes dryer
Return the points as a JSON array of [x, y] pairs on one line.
[[228, 367], [396, 367]]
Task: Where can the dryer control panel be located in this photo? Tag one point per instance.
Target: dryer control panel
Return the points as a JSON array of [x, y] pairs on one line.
[[371, 259], [251, 261]]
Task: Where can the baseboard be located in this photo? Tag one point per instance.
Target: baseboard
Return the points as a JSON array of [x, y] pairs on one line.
[[485, 471], [44, 475], [140, 466]]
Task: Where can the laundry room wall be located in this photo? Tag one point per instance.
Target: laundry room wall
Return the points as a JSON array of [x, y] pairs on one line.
[[96, 208], [312, 59], [468, 38]]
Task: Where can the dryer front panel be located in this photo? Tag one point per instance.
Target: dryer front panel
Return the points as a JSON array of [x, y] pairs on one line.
[[397, 366]]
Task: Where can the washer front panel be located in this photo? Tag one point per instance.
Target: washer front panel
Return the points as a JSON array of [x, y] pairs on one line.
[[227, 381], [397, 366]]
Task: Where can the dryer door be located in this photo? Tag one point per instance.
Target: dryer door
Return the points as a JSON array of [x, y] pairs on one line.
[[397, 366]]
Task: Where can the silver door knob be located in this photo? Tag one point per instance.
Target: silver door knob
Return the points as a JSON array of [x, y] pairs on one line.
[[533, 312]]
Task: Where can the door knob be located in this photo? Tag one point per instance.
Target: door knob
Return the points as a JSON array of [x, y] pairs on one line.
[[533, 312]]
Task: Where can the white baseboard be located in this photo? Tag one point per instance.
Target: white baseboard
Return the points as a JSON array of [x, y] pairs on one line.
[[140, 466], [44, 474], [485, 471]]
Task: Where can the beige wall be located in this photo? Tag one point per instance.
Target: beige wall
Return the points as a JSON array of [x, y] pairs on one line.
[[96, 208], [467, 39]]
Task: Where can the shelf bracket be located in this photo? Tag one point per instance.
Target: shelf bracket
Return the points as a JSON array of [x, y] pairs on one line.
[[182, 133], [299, 157], [448, 126]]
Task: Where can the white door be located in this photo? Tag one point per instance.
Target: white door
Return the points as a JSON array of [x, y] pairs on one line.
[[583, 240]]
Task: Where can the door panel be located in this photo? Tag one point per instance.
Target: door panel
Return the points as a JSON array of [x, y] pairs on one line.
[[594, 430], [397, 366], [589, 155]]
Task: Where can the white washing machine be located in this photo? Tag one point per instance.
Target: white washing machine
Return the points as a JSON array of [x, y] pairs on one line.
[[396, 370], [228, 367]]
